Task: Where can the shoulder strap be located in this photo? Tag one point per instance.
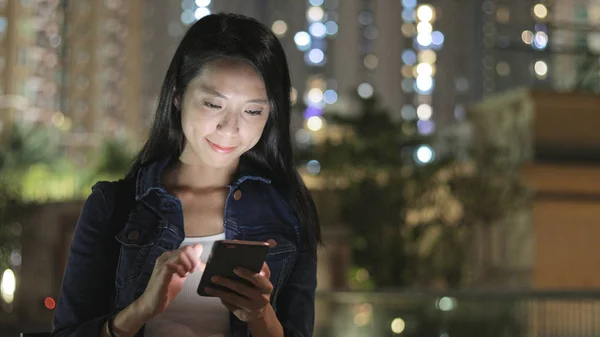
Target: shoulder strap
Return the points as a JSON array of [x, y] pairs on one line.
[[122, 193], [124, 201]]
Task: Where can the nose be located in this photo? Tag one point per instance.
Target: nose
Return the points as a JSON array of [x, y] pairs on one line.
[[229, 126]]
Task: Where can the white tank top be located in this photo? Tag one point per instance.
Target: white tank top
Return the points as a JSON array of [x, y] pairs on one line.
[[191, 315]]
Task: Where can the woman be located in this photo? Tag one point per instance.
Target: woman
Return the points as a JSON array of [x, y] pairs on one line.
[[217, 165]]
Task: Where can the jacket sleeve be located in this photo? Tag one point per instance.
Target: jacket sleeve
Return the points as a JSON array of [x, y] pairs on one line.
[[296, 300], [84, 300]]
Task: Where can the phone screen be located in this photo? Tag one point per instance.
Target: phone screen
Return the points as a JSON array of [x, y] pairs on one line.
[[226, 255]]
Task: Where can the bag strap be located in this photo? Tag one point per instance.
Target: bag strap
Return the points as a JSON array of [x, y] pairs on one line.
[[122, 193], [124, 201]]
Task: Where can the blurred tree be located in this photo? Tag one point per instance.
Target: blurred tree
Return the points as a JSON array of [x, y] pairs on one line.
[[110, 162], [412, 222], [27, 145], [11, 207], [365, 157], [33, 169], [115, 159]]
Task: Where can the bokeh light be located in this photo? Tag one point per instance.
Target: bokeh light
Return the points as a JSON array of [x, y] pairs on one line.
[[527, 36], [279, 27], [317, 29], [314, 123], [315, 95], [424, 154], [540, 40], [541, 69], [424, 39], [365, 90], [8, 285], [540, 11], [409, 57], [302, 39], [331, 27], [313, 167], [201, 12], [316, 56], [315, 13], [330, 96], [424, 69], [425, 13], [424, 83], [424, 112], [398, 325]]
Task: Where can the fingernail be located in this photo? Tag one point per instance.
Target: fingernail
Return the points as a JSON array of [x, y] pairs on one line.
[[215, 279], [237, 270]]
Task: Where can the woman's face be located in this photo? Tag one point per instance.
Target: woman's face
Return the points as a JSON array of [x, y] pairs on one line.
[[224, 112]]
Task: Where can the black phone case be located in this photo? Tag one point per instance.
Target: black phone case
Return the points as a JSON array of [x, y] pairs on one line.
[[227, 255]]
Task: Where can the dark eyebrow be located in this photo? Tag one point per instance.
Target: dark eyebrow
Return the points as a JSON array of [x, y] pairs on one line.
[[220, 95]]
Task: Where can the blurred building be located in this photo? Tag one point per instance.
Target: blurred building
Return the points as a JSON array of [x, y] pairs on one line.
[[340, 49], [575, 37], [29, 60], [103, 69], [534, 43], [72, 65], [162, 30]]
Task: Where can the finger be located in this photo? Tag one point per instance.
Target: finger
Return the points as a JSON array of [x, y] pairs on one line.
[[176, 268], [199, 249], [185, 258], [252, 293], [163, 258], [231, 307], [265, 271], [202, 266], [261, 282], [231, 298], [192, 257], [241, 313]]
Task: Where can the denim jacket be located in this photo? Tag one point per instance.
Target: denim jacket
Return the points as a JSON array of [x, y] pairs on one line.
[[97, 284]]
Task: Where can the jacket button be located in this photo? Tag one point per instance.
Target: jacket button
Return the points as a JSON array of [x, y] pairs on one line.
[[133, 235], [272, 243], [237, 195]]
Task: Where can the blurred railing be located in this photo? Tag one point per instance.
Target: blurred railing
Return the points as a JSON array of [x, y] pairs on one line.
[[461, 314]]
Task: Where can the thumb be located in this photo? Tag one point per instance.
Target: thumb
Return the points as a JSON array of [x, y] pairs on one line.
[[265, 271], [198, 249]]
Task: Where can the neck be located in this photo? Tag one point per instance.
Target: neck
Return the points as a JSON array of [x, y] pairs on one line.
[[201, 176]]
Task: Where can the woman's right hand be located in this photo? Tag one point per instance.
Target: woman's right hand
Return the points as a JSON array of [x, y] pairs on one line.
[[168, 276]]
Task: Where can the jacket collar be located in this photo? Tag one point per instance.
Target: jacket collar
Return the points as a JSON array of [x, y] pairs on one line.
[[148, 176]]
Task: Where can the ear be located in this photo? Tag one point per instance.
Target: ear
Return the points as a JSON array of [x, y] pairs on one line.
[[176, 101]]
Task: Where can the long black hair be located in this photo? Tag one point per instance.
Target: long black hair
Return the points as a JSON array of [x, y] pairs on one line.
[[220, 36]]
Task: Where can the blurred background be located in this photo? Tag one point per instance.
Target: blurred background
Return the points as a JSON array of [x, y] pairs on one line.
[[452, 147]]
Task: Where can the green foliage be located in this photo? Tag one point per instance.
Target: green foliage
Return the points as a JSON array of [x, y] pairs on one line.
[[25, 145], [33, 169], [114, 160], [10, 208], [411, 224], [369, 141]]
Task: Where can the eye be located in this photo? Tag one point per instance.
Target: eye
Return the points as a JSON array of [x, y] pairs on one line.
[[212, 106], [254, 112]]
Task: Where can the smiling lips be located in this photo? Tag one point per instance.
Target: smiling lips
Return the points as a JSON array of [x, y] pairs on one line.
[[220, 149]]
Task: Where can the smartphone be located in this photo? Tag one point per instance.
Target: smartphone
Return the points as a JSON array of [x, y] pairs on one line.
[[227, 255]]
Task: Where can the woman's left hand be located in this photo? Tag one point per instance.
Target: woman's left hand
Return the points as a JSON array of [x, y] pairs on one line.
[[252, 302]]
